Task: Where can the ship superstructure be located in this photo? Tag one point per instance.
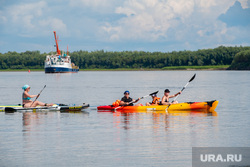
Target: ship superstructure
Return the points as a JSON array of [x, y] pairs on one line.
[[59, 62]]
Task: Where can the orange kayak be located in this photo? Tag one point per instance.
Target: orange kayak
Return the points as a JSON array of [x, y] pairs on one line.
[[186, 106]]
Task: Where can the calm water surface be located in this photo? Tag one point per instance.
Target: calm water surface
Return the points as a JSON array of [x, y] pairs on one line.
[[92, 138]]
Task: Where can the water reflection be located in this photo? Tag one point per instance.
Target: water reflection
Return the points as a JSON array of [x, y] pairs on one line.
[[31, 120], [168, 120], [122, 119], [47, 127], [193, 113]]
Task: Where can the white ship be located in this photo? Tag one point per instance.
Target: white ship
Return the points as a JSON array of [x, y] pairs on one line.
[[60, 62]]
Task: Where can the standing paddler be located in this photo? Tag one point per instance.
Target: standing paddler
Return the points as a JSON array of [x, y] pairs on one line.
[[26, 98]]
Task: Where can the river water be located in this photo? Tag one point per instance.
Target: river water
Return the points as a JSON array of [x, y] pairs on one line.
[[92, 138]]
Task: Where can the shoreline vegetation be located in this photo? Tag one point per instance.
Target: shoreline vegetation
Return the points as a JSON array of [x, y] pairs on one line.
[[220, 58], [178, 68], [219, 67]]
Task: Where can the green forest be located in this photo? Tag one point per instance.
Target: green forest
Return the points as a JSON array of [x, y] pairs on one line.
[[238, 58]]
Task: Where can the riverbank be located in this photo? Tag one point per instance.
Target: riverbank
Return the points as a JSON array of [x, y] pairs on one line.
[[19, 70], [219, 67]]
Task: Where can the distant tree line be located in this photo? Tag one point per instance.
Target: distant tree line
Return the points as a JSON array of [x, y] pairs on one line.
[[131, 59], [241, 61], [24, 60]]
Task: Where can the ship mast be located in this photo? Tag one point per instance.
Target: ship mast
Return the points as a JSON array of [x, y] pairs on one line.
[[57, 47], [67, 50]]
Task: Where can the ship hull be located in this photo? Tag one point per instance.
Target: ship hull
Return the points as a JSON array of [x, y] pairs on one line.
[[60, 70]]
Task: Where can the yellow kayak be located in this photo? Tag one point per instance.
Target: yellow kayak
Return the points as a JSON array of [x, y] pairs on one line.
[[186, 106]]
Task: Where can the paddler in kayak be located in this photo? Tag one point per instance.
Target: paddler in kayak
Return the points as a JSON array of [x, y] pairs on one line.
[[128, 101], [155, 100], [166, 97], [26, 97]]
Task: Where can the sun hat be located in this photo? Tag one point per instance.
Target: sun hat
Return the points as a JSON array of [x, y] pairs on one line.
[[25, 87]]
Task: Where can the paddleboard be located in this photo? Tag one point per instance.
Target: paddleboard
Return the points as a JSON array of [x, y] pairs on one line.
[[55, 107]]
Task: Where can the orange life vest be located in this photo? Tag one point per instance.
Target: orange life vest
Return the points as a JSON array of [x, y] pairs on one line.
[[156, 100]]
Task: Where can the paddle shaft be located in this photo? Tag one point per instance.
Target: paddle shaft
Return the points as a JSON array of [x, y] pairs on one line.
[[143, 97], [38, 95], [137, 99], [184, 87]]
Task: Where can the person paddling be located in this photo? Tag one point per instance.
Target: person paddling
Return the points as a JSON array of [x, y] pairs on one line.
[[26, 97], [166, 97], [128, 101], [155, 100]]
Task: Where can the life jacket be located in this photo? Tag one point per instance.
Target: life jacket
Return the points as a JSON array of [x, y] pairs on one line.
[[116, 103], [156, 100]]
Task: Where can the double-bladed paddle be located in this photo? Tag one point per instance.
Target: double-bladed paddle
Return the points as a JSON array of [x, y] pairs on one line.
[[181, 91], [137, 100], [144, 97], [38, 95], [184, 87]]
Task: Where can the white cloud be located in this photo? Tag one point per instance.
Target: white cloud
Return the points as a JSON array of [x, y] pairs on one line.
[[3, 19], [92, 3], [186, 23], [181, 8], [54, 24], [18, 12], [99, 6], [245, 3], [112, 31], [150, 19], [31, 19], [169, 20]]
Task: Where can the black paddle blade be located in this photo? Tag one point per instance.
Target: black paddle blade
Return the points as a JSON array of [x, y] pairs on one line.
[[192, 78], [9, 110], [154, 93]]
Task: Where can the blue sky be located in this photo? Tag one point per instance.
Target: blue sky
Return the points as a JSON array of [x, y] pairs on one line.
[[118, 25]]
